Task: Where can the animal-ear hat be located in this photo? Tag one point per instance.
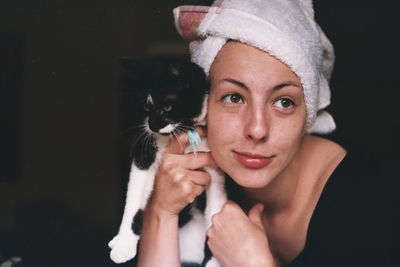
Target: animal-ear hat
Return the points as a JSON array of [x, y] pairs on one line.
[[286, 29]]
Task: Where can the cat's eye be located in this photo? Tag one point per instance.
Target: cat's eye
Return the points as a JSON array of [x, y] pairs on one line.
[[167, 107], [233, 99]]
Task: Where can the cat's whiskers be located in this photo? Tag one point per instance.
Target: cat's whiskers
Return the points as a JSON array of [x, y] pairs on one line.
[[175, 133], [142, 132], [148, 142], [130, 128], [186, 127], [144, 136]]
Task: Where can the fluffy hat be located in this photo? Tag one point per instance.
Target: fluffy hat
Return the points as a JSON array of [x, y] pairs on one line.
[[285, 29]]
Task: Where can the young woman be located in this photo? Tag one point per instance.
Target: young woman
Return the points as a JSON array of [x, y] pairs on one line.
[[269, 64]]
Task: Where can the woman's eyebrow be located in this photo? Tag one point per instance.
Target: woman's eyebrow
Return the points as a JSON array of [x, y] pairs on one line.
[[275, 88], [286, 83], [236, 82]]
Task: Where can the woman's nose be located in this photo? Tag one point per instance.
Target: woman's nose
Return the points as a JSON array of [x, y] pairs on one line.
[[257, 125]]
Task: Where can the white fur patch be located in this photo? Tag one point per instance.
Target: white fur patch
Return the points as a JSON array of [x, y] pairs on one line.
[[192, 238], [140, 186], [213, 263], [149, 99], [123, 246], [216, 195], [168, 129], [192, 235], [201, 119]]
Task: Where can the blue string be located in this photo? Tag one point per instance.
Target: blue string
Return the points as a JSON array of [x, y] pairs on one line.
[[194, 139]]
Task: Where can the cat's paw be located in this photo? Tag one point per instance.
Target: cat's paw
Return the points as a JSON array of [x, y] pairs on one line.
[[123, 247], [111, 244]]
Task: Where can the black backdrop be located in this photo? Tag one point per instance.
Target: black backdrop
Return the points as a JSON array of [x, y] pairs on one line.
[[63, 164]]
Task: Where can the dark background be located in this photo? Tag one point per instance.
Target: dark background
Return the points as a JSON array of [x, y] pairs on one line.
[[62, 149]]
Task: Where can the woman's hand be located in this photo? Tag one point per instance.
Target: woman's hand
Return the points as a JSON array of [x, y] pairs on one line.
[[236, 239], [179, 181]]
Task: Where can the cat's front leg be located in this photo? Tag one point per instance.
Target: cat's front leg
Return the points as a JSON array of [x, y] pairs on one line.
[[216, 198], [216, 194], [124, 245]]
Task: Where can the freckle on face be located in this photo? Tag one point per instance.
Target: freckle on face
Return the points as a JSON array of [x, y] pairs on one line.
[[229, 127]]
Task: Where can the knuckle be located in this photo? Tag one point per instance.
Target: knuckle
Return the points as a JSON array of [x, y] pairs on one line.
[[177, 177], [187, 188], [229, 207], [215, 219]]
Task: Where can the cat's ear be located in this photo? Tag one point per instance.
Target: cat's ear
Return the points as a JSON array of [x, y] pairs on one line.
[[175, 69]]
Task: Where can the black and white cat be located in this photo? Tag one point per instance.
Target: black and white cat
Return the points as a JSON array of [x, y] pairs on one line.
[[172, 98]]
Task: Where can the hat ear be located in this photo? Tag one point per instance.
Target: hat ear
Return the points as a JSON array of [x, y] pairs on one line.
[[187, 20]]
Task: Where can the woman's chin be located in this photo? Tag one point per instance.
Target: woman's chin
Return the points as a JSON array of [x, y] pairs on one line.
[[251, 178]]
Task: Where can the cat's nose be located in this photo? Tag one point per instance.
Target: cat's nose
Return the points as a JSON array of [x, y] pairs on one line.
[[153, 126], [157, 125]]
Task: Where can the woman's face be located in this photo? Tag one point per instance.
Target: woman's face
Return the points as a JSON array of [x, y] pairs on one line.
[[256, 114]]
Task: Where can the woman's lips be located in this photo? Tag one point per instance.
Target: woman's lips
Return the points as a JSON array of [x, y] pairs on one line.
[[252, 160]]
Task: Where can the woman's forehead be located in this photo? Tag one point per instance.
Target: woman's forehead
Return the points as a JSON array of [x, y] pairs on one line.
[[247, 64]]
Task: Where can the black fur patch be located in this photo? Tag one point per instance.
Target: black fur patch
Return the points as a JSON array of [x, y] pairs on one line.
[[144, 152], [138, 222], [185, 216], [190, 264], [164, 91], [207, 253], [157, 93], [201, 202]]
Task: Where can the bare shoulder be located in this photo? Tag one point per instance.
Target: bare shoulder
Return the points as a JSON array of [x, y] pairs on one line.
[[323, 146], [321, 156]]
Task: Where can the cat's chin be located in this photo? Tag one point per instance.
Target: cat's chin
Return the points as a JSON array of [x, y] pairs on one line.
[[161, 133]]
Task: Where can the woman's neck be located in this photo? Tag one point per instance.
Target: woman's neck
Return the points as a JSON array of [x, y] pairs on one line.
[[278, 195], [315, 159], [291, 199]]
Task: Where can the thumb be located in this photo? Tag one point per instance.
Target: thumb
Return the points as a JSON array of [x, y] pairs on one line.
[[255, 215]]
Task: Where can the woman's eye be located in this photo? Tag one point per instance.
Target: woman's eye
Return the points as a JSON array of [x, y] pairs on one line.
[[232, 98], [284, 103]]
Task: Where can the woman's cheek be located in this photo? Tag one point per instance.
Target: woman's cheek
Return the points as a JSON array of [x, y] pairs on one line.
[[220, 138], [218, 124]]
